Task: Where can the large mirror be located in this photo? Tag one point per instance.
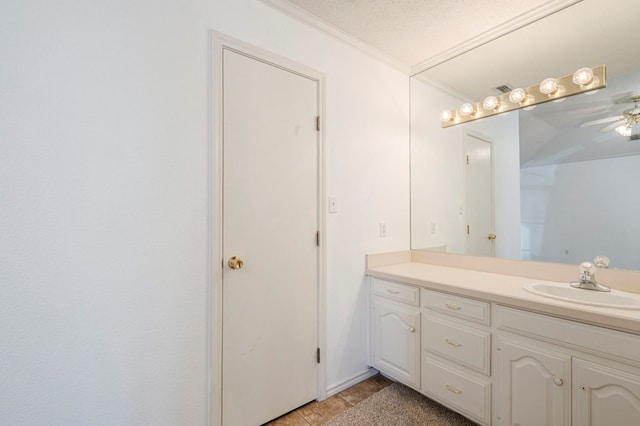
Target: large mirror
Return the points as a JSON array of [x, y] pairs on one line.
[[556, 183]]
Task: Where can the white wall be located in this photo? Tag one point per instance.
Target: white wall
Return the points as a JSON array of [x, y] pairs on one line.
[[437, 179], [103, 200], [570, 213], [437, 174]]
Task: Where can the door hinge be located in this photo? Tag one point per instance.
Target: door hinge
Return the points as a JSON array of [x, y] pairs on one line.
[[318, 123], [467, 160], [318, 355], [318, 238], [467, 229]]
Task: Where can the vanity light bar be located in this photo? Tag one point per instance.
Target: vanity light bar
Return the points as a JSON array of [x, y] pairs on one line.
[[550, 89]]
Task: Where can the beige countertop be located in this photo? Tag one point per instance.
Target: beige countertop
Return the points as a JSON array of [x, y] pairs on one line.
[[506, 290]]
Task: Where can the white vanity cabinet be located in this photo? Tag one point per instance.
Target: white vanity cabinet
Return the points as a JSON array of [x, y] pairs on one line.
[[504, 365], [395, 331], [456, 356]]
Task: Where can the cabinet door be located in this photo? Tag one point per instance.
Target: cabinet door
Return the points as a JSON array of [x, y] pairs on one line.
[[534, 385], [605, 396], [395, 341]]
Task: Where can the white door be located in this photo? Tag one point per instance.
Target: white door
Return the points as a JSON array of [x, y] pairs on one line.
[[603, 396], [534, 385], [479, 196], [270, 221], [395, 334]]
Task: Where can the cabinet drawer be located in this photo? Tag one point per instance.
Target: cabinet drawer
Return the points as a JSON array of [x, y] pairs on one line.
[[468, 395], [394, 291], [460, 307], [466, 346]]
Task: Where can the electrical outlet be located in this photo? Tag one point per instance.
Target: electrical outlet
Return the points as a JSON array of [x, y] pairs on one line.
[[383, 230], [333, 205]]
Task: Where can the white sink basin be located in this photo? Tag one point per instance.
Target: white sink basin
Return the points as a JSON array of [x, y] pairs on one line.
[[612, 299]]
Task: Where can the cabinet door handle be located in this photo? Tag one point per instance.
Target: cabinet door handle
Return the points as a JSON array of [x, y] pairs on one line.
[[453, 307], [558, 381], [412, 329], [453, 389], [392, 291], [452, 343]]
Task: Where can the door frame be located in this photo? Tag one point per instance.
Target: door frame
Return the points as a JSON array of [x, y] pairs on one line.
[[467, 133], [218, 43]]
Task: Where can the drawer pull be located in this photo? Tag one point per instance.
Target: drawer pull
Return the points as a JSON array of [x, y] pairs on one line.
[[452, 343], [412, 329], [453, 389], [392, 291], [453, 307]]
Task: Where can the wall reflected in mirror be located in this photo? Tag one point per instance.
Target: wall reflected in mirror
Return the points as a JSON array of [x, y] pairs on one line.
[[564, 185]]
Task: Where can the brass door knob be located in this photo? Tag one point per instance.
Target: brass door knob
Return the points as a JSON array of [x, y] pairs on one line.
[[235, 262], [491, 236]]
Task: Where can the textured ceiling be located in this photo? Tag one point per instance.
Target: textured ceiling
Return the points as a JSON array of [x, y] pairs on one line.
[[415, 30]]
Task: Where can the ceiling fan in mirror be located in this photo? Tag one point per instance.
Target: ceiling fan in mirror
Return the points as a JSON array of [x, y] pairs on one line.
[[622, 124]]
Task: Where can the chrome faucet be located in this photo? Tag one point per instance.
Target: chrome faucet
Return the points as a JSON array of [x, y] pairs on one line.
[[587, 278]]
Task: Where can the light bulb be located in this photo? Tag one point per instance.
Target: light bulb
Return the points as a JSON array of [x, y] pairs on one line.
[[466, 109], [491, 103], [446, 115], [518, 95], [624, 130], [549, 86], [583, 76]]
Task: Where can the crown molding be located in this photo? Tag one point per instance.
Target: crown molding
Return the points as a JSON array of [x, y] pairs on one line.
[[305, 17], [507, 27]]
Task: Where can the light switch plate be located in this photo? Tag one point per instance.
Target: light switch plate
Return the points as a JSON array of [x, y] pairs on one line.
[[333, 205]]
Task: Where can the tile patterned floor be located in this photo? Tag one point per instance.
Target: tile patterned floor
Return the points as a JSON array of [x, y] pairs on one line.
[[318, 412]]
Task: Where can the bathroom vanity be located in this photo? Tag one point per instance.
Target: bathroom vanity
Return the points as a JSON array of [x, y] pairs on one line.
[[478, 343]]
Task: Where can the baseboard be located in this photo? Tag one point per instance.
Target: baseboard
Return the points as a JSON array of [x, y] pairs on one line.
[[337, 388]]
